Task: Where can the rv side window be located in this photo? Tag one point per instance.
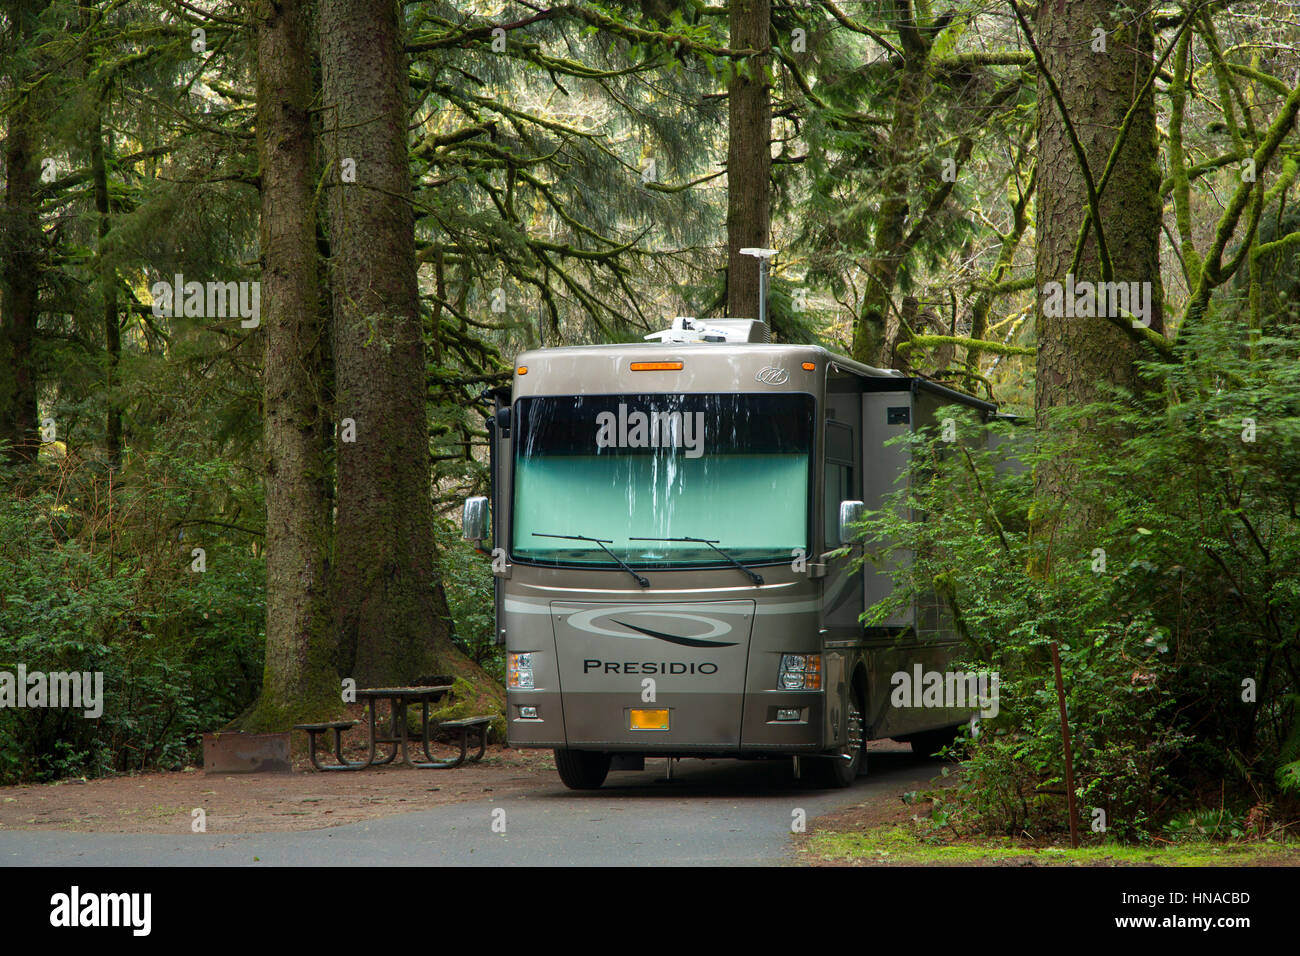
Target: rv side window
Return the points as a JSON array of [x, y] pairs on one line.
[[839, 478]]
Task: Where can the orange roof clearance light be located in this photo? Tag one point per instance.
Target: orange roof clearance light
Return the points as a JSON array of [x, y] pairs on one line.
[[809, 366], [522, 370], [656, 366]]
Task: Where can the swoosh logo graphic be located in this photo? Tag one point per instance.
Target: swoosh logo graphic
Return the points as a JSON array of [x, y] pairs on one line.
[[595, 620], [673, 638]]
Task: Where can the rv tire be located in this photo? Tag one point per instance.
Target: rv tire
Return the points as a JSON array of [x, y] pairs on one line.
[[836, 772], [582, 769]]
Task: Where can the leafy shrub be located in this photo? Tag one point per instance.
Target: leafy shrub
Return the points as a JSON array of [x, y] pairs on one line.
[[468, 581], [82, 590], [1169, 577]]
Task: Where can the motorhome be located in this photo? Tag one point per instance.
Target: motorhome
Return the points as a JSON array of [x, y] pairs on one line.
[[670, 526]]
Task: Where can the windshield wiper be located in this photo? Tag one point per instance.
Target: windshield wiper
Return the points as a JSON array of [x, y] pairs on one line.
[[582, 537], [753, 575]]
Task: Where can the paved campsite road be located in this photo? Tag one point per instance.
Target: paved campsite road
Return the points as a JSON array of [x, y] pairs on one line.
[[727, 813]]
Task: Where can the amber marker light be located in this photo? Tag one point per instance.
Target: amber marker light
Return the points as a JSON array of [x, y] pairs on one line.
[[656, 366], [809, 366], [522, 370]]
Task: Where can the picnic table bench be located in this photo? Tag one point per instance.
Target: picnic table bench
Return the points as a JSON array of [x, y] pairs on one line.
[[314, 732], [469, 725], [398, 734]]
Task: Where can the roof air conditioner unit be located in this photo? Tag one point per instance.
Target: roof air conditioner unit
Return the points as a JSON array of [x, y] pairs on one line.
[[689, 329]]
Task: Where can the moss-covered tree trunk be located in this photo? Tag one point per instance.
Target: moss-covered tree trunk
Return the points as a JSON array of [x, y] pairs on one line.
[[1080, 355], [107, 291], [299, 677], [749, 155], [877, 329], [393, 621]]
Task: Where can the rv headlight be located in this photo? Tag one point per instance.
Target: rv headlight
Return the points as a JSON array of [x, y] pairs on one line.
[[519, 671], [800, 672]]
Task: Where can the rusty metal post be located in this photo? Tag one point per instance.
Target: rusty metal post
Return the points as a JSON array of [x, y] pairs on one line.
[[1069, 755]]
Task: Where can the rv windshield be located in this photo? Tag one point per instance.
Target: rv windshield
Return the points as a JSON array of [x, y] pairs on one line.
[[733, 469]]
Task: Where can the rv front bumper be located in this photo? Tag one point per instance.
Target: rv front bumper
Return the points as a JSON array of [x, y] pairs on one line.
[[770, 722]]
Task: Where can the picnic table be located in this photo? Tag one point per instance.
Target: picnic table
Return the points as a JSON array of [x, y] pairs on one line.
[[398, 734]]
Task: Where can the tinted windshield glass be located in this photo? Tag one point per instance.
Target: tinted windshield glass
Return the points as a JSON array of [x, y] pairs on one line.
[[732, 468]]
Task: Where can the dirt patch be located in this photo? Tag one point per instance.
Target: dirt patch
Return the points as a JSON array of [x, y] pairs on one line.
[[251, 803], [880, 809]]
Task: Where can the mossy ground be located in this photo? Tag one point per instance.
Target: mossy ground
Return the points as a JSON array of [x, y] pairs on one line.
[[264, 717], [913, 844], [476, 700]]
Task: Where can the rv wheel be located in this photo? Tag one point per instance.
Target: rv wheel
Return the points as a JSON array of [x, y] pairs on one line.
[[843, 769], [582, 769]]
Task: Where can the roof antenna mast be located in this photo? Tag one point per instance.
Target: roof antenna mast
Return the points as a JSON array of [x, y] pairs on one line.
[[763, 256]]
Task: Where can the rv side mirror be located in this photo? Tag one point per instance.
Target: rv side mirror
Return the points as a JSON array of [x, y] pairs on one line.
[[850, 514], [475, 522]]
